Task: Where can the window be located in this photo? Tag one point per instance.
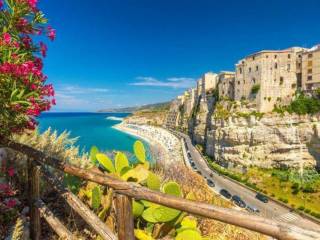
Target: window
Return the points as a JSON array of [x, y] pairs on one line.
[[275, 56], [240, 70], [288, 67], [238, 82], [310, 55], [257, 68], [253, 80], [267, 56], [310, 71], [253, 57], [309, 63], [309, 78], [249, 69], [289, 56], [276, 65], [281, 80]]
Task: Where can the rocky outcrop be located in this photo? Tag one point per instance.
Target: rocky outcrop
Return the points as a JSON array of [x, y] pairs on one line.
[[272, 141]]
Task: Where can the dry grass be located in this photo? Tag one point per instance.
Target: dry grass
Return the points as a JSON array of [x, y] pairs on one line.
[[60, 146]]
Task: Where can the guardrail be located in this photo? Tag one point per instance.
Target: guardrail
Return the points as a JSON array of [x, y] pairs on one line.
[[125, 192]]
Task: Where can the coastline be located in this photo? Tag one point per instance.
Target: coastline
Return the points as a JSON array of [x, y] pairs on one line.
[[165, 148]]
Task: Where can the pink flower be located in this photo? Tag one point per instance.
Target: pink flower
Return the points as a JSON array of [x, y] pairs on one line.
[[32, 3], [11, 171], [51, 33], [33, 87], [1, 4], [53, 101], [10, 203], [4, 187], [6, 38], [43, 49]]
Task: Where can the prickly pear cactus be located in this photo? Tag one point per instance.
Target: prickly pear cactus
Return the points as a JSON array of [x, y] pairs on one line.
[[152, 220]]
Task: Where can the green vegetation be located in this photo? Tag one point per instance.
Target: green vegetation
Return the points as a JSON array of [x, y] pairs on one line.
[[301, 192], [255, 89], [151, 220], [301, 105]]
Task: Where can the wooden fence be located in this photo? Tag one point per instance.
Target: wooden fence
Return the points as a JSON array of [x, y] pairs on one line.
[[125, 192]]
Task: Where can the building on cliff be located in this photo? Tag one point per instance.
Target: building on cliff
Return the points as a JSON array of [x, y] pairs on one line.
[[209, 83], [310, 68], [226, 84], [173, 116], [268, 77]]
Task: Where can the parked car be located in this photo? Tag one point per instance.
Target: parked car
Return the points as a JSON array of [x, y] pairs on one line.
[[211, 174], [252, 209], [262, 198], [225, 193], [192, 164], [238, 201], [199, 172], [189, 155], [210, 183]]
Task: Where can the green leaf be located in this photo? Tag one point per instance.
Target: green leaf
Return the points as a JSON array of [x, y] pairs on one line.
[[106, 162], [137, 208], [189, 222], [142, 235], [73, 183], [139, 151], [96, 198], [153, 182], [172, 188], [189, 234], [93, 152], [138, 174], [121, 161], [125, 170], [148, 215], [165, 214], [149, 204]]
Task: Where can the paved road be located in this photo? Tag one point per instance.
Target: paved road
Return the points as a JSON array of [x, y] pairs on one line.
[[271, 209]]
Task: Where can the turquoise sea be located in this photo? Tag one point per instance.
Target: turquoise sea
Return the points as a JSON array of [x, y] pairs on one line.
[[92, 129]]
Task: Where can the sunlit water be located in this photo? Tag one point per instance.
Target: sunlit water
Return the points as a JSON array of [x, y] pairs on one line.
[[92, 129]]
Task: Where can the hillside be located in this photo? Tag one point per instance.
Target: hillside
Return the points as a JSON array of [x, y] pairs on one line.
[[148, 107]]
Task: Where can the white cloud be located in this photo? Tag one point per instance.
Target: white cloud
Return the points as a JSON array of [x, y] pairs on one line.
[[74, 89], [173, 82]]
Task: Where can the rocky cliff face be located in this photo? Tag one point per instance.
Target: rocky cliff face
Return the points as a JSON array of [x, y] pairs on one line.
[[271, 141]]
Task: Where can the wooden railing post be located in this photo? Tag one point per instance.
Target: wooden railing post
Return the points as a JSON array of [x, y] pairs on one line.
[[34, 195], [124, 217]]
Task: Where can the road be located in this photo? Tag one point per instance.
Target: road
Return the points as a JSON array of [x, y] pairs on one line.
[[271, 209]]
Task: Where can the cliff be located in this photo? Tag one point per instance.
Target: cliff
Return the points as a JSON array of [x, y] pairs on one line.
[[270, 141]]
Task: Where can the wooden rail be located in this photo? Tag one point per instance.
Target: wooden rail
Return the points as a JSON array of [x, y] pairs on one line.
[[125, 191]]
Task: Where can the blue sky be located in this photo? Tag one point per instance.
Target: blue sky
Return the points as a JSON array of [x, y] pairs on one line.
[[116, 53]]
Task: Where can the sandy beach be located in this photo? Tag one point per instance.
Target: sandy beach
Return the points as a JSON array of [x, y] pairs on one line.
[[165, 147]]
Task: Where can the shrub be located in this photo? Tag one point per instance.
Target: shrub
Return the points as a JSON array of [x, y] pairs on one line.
[[308, 189], [255, 89], [301, 208], [307, 210], [23, 94], [304, 105]]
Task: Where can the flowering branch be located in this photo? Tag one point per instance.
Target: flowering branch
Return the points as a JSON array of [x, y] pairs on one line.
[[23, 92]]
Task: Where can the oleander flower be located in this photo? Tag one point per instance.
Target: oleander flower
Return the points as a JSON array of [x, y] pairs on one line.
[[7, 38], [23, 92], [43, 49], [51, 33]]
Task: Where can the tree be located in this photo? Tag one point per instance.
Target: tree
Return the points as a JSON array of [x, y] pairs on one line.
[[23, 92]]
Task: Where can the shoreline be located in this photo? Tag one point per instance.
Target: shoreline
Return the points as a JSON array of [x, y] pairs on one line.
[[165, 148]]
